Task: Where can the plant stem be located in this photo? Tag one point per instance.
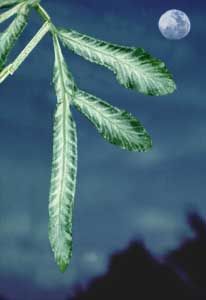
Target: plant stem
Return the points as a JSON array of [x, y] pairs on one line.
[[30, 46], [8, 14], [11, 68], [5, 73], [42, 12], [45, 17]]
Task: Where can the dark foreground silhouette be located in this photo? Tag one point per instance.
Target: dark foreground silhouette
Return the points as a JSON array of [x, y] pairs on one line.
[[135, 274]]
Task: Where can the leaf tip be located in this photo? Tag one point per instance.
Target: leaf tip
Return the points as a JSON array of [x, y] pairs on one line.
[[171, 86], [147, 145], [62, 262], [62, 266]]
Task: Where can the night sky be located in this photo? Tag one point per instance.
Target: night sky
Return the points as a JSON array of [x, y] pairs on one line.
[[120, 195]]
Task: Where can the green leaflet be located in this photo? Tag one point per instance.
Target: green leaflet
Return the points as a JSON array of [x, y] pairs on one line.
[[12, 33], [63, 80], [63, 182], [116, 126], [64, 165], [134, 68]]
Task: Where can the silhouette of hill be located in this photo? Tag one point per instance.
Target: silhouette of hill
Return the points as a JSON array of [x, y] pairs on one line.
[[190, 257], [135, 274]]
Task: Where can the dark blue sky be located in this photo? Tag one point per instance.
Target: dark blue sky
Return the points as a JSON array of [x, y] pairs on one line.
[[120, 195]]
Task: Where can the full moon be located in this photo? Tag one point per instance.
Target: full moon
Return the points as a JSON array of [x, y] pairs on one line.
[[174, 24]]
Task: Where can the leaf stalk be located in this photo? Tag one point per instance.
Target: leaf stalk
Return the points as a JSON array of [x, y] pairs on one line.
[[8, 14], [11, 68], [42, 12]]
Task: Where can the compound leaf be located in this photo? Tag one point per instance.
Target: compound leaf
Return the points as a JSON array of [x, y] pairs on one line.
[[64, 165], [12, 33], [133, 67], [116, 126]]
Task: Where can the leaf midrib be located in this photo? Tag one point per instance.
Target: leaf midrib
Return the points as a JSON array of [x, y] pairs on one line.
[[65, 147]]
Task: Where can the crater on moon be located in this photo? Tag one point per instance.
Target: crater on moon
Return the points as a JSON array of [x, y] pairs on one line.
[[174, 24]]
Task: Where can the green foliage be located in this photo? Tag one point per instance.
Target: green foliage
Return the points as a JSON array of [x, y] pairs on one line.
[[12, 33], [134, 68], [64, 165], [116, 126]]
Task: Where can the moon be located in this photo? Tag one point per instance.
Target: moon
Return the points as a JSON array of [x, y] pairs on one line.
[[174, 24]]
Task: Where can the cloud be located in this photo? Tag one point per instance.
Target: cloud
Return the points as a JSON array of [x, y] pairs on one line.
[[93, 261]]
